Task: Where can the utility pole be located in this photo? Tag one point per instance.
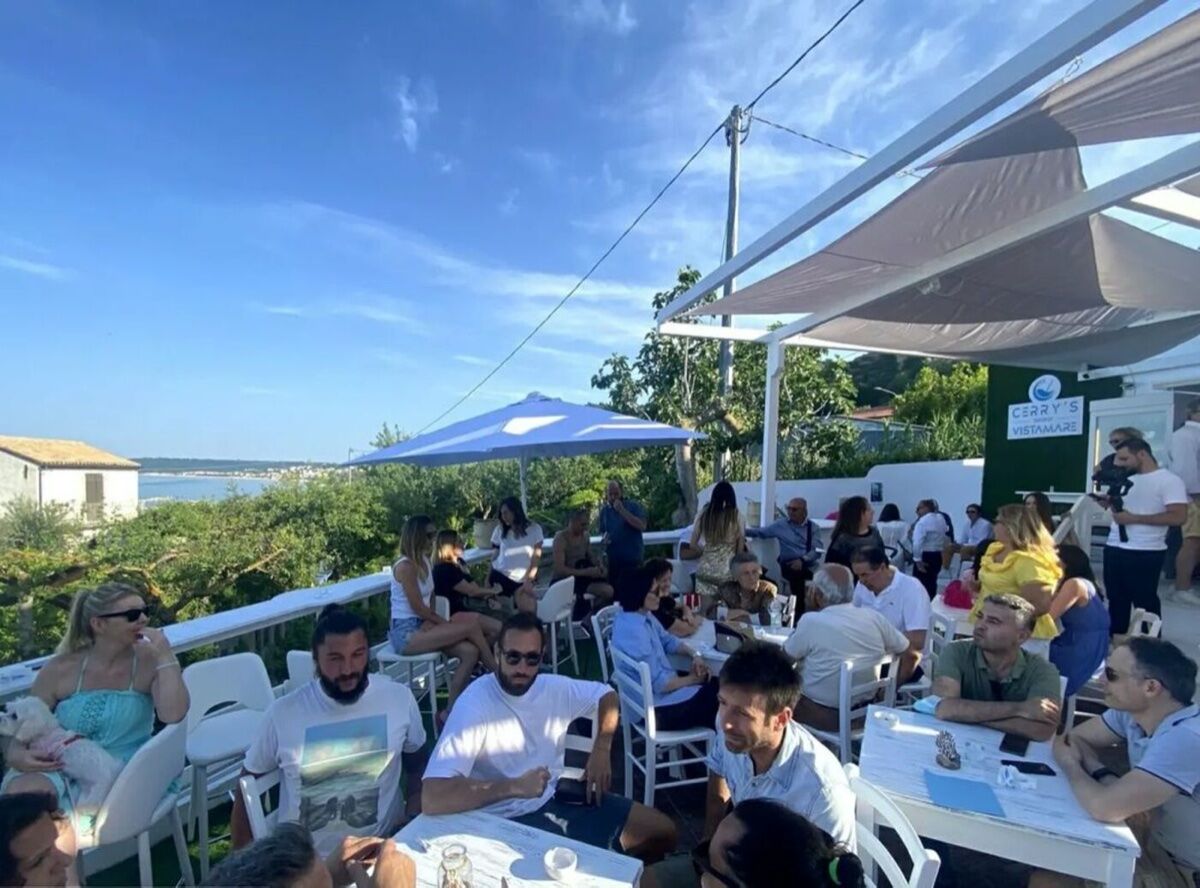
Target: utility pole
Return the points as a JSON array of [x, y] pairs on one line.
[[733, 138]]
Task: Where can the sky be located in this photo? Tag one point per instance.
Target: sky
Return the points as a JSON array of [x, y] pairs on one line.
[[261, 230]]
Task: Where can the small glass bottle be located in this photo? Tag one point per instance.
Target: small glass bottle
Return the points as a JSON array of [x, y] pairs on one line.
[[455, 870]]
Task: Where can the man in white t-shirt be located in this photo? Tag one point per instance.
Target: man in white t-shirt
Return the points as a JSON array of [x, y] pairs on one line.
[[1149, 686], [1185, 462], [340, 742], [832, 631], [1156, 500], [898, 596], [502, 751]]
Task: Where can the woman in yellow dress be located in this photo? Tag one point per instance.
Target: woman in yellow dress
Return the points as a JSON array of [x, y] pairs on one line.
[[1022, 561]]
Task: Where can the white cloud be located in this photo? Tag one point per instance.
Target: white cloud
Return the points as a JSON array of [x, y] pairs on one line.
[[445, 163], [360, 305], [416, 103], [37, 269], [611, 16], [474, 361], [391, 357], [539, 160], [256, 391], [508, 206]]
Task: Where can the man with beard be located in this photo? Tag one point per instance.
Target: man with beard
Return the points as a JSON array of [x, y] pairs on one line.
[[502, 752], [344, 734], [761, 753]]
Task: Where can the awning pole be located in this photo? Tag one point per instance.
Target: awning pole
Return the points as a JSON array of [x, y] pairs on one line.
[[770, 445], [522, 461]]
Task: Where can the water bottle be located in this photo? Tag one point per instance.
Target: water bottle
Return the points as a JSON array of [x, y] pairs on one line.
[[455, 870], [775, 612]]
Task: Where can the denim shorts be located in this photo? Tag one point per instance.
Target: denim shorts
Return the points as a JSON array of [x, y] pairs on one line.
[[402, 630]]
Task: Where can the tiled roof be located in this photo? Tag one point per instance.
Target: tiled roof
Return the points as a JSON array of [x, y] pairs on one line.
[[53, 453]]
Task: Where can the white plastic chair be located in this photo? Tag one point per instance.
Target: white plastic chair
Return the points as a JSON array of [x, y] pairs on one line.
[[602, 623], [1144, 622], [579, 743], [239, 683], [638, 723], [418, 669], [939, 634], [141, 796], [253, 789], [853, 700], [554, 609], [874, 809], [300, 670]]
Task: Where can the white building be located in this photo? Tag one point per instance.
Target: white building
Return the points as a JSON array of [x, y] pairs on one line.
[[89, 481]]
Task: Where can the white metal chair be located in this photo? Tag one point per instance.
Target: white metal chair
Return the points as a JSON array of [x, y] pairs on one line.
[[602, 623], [638, 725], [1144, 622], [239, 684], [141, 796], [419, 670], [855, 694], [874, 809], [555, 609], [253, 791], [939, 634]]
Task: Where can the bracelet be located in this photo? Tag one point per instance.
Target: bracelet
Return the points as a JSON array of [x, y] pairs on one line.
[[1101, 773], [165, 665]]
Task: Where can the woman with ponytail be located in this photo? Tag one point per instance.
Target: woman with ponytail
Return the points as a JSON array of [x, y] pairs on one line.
[[763, 844], [111, 676]]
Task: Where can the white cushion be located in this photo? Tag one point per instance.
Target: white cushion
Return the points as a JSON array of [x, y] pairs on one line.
[[223, 735]]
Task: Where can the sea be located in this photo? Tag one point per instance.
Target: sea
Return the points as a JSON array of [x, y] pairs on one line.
[[196, 487]]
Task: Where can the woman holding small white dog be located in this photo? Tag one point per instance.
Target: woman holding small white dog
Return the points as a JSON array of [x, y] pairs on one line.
[[112, 674]]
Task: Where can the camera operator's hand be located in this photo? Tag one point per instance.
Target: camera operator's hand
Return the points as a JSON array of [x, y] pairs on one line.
[[1124, 517]]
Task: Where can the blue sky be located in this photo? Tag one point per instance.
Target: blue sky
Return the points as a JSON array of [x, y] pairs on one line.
[[262, 229]]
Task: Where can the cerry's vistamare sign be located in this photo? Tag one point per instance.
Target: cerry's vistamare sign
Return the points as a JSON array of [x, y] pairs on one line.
[[1045, 414]]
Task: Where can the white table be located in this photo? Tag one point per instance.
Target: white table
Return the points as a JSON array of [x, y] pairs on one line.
[[704, 641], [499, 847], [955, 616], [1044, 827]]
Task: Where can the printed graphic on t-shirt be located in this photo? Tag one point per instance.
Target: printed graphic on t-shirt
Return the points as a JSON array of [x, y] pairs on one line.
[[340, 766]]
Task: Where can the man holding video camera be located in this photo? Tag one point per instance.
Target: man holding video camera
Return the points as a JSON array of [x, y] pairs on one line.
[[1144, 505]]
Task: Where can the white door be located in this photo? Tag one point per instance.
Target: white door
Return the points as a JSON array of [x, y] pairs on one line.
[[1151, 413]]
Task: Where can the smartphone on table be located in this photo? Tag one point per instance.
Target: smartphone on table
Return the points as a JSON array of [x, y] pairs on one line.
[[1014, 744], [1037, 768]]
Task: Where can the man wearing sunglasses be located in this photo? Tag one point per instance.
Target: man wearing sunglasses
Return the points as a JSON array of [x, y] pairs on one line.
[[502, 750], [1149, 686]]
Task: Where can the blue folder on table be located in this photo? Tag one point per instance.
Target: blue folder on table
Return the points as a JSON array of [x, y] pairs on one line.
[[962, 793]]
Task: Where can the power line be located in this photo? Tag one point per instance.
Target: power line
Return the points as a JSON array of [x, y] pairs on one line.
[[824, 144], [553, 311], [721, 126], [788, 70]]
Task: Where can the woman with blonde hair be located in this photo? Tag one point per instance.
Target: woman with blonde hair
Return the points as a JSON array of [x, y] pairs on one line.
[[111, 676], [718, 534], [1022, 561], [416, 626]]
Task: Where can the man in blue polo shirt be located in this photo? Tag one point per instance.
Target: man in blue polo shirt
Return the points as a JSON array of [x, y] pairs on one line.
[[799, 546], [1149, 685], [761, 753], [622, 522]]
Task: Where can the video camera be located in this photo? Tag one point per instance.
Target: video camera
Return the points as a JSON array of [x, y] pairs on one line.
[[1117, 481]]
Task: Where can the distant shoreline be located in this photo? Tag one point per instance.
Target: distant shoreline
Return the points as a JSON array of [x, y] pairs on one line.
[[193, 473]]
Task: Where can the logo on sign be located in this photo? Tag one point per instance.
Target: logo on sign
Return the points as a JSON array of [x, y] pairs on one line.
[[1045, 388]]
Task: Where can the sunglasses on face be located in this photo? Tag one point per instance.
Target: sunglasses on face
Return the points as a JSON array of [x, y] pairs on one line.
[[132, 615], [1111, 674], [512, 658]]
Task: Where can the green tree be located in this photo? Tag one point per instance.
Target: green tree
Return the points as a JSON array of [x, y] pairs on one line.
[[26, 525], [958, 392]]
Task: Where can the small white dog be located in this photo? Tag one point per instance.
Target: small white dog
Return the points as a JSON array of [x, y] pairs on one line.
[[30, 721]]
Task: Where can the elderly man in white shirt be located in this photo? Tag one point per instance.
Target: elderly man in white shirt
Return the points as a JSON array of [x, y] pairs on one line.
[[832, 631], [762, 753], [976, 532]]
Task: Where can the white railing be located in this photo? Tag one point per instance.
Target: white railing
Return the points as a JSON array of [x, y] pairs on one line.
[[263, 615]]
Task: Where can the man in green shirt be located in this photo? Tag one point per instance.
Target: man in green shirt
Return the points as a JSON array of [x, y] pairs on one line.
[[990, 680]]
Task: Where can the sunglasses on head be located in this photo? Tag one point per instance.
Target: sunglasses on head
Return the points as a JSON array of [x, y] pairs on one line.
[[512, 658], [133, 614]]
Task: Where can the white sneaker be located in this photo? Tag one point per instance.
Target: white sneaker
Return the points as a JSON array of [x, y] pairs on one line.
[[1188, 598]]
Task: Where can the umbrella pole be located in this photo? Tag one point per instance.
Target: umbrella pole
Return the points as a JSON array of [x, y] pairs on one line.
[[522, 461]]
